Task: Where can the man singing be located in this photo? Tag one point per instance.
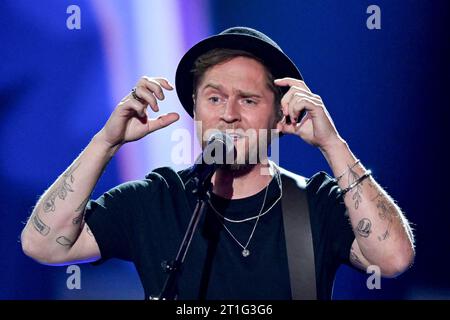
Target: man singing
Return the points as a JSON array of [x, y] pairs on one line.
[[247, 245]]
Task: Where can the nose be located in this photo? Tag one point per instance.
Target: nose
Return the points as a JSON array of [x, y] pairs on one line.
[[231, 111]]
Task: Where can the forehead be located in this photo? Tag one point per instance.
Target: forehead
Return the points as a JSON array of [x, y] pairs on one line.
[[245, 72]]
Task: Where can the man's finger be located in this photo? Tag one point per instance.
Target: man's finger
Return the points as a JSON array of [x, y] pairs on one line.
[[163, 82], [149, 98], [283, 127], [284, 82], [286, 100], [162, 121], [299, 107], [135, 106], [304, 94], [295, 109], [153, 86]]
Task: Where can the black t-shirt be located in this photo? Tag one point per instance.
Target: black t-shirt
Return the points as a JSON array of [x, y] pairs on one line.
[[144, 222]]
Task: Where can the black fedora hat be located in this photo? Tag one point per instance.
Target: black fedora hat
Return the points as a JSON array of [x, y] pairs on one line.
[[239, 38]]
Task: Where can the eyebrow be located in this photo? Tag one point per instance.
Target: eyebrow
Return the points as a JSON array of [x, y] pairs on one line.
[[247, 94], [242, 93], [213, 86]]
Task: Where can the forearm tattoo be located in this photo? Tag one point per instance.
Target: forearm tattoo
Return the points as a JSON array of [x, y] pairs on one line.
[[386, 212], [354, 259], [364, 227], [39, 225], [352, 177], [81, 208], [66, 242], [61, 190]]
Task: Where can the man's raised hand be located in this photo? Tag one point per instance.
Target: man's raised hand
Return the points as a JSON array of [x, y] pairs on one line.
[[130, 120], [316, 127]]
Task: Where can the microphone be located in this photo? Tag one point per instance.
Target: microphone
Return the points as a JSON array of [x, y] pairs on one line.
[[219, 150]]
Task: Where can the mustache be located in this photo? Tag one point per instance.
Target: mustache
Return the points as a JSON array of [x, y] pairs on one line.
[[224, 128]]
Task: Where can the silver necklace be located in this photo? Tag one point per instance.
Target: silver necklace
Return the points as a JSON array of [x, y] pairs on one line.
[[245, 252], [258, 215]]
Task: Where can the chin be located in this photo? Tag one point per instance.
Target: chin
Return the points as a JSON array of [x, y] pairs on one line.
[[243, 161], [237, 167]]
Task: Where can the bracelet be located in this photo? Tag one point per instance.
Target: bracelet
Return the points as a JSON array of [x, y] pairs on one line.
[[367, 174], [349, 168]]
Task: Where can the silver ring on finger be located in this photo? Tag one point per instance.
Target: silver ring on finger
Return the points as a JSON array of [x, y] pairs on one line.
[[136, 97]]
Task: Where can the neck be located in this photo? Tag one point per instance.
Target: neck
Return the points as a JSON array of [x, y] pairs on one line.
[[241, 183]]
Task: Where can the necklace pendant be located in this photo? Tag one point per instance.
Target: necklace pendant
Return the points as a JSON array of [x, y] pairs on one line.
[[245, 253]]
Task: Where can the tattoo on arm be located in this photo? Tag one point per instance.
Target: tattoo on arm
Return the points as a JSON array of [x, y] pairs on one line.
[[81, 208], [61, 190], [83, 204], [66, 242], [364, 227], [88, 230], [354, 259], [78, 218], [352, 177], [386, 212], [39, 225]]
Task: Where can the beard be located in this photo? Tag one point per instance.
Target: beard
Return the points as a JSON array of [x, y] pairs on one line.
[[251, 148], [248, 156], [235, 168]]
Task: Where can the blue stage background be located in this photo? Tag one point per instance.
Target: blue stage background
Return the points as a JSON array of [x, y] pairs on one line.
[[387, 91]]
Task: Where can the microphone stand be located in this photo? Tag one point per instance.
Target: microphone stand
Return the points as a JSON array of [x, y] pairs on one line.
[[202, 183]]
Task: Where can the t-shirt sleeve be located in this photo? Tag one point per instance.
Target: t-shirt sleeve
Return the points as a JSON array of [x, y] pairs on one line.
[[111, 218], [331, 215]]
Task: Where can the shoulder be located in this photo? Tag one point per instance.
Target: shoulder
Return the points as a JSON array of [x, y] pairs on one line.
[[318, 181], [137, 185], [289, 175], [137, 188], [158, 182], [321, 180], [324, 192], [320, 185], [133, 198]]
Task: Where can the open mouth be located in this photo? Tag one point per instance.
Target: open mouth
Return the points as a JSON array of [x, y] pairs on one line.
[[235, 136]]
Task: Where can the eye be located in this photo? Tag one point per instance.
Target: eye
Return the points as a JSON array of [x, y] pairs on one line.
[[214, 100], [249, 101]]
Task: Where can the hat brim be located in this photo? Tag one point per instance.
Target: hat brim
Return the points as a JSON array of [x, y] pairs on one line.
[[275, 60]]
